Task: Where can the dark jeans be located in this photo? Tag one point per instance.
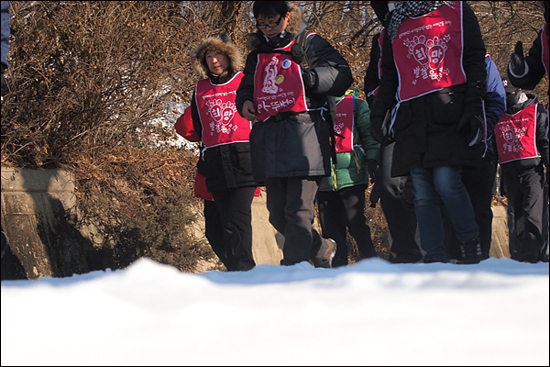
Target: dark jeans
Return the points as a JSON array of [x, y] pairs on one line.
[[525, 191], [291, 201], [341, 210], [234, 208], [479, 183], [396, 200], [430, 187]]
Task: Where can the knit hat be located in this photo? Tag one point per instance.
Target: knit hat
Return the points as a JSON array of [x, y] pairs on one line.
[[509, 88]]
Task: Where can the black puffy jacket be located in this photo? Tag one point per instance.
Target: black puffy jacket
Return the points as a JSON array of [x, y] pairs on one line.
[[296, 145]]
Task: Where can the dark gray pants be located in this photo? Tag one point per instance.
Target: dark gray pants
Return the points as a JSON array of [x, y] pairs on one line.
[[291, 202]]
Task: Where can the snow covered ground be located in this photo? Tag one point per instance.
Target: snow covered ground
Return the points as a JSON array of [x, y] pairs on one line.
[[370, 313]]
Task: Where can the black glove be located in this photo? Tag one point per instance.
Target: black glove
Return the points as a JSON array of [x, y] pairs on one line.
[[372, 167], [473, 116], [517, 62]]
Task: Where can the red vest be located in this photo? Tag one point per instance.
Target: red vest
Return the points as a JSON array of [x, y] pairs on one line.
[[221, 123], [278, 84], [516, 135], [344, 125], [428, 52]]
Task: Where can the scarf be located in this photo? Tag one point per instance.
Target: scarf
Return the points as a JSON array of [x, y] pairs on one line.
[[408, 9]]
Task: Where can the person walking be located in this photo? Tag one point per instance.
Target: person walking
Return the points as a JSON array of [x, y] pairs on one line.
[[433, 81], [479, 182], [341, 197], [522, 143], [212, 221], [288, 85], [526, 73], [395, 193], [226, 154]]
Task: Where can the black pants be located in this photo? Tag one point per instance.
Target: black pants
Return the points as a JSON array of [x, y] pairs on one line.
[[479, 183], [214, 231], [234, 209], [397, 203], [525, 192], [341, 210], [291, 201]]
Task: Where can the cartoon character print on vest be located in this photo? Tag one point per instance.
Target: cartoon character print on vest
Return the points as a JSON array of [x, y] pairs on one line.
[[516, 135], [343, 127], [279, 84], [220, 121], [428, 52]]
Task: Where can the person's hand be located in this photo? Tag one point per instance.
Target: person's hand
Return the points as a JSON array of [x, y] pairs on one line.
[[249, 112], [376, 122], [372, 167], [517, 62]]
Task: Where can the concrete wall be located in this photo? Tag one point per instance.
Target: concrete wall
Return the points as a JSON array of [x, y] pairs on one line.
[[38, 216]]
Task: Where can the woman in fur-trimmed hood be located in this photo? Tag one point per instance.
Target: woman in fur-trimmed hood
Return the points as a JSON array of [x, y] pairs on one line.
[[221, 43], [225, 157]]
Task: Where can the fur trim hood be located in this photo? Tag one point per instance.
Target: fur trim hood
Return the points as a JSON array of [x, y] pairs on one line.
[[198, 54], [295, 26]]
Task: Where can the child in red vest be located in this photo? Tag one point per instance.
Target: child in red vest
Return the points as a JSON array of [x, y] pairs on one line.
[[522, 144]]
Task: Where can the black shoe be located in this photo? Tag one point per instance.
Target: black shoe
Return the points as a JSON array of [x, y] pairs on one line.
[[404, 258], [471, 251], [431, 259]]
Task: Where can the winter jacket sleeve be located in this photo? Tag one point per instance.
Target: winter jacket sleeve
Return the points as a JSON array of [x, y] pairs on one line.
[[542, 133], [495, 98], [184, 126], [473, 60], [333, 72], [245, 92], [369, 145], [535, 68], [371, 77], [5, 33]]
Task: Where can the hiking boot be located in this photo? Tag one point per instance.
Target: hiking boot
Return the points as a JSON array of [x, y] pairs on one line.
[[326, 253], [471, 251]]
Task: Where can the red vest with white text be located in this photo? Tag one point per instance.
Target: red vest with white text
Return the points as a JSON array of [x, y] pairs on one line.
[[221, 123], [278, 84], [344, 125], [516, 135], [428, 52]]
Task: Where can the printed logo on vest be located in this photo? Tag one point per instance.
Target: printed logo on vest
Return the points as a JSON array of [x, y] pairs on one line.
[[222, 114], [430, 55], [270, 86]]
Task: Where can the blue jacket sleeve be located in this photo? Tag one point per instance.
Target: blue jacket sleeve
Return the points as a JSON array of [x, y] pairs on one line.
[[5, 32]]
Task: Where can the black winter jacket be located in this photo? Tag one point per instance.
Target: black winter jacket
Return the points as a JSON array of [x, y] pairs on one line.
[[296, 145], [425, 128]]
